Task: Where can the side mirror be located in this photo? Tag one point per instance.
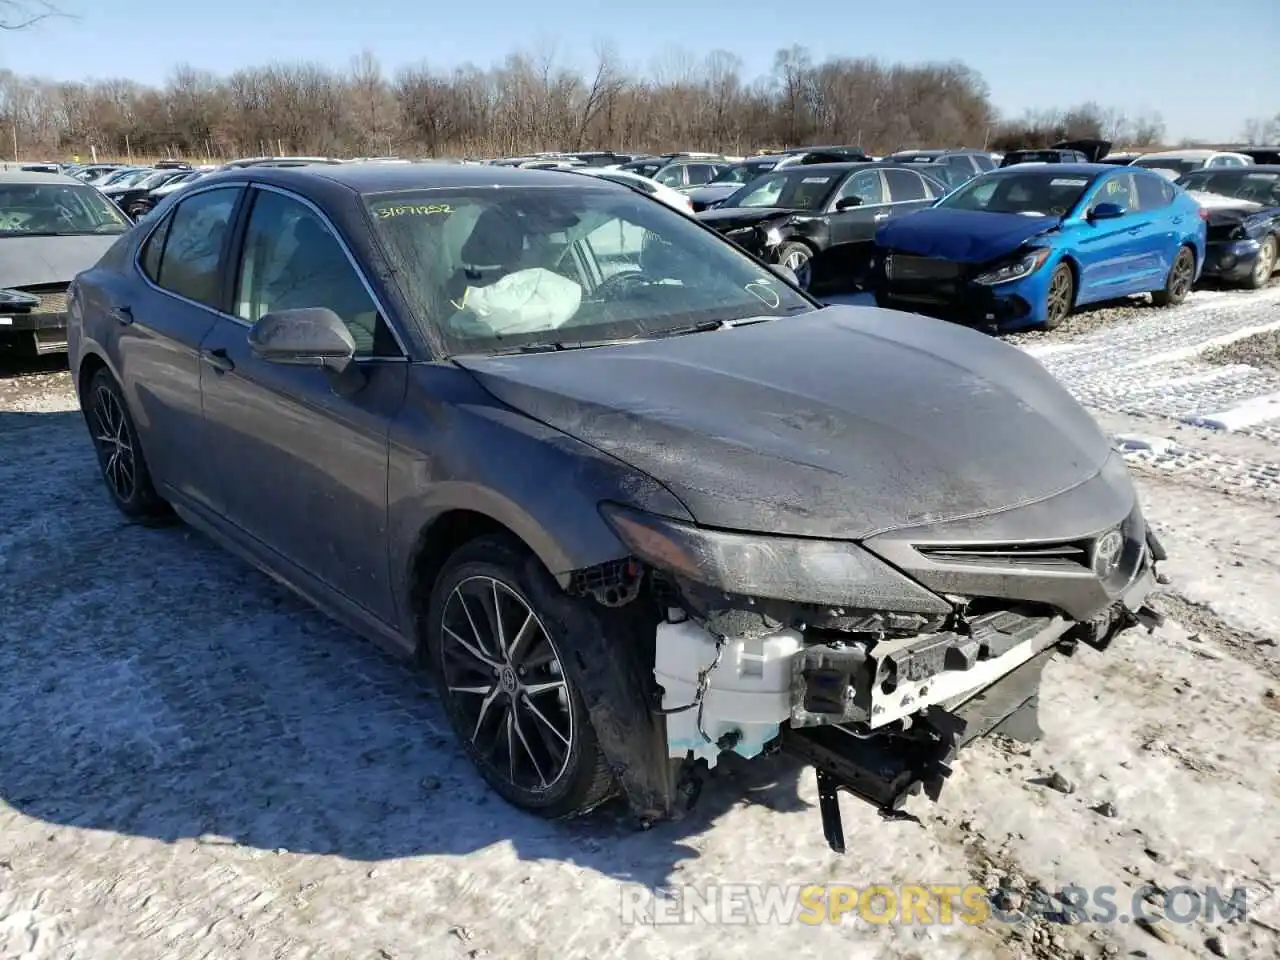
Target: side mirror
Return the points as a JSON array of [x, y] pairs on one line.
[[1106, 211], [308, 337], [847, 203]]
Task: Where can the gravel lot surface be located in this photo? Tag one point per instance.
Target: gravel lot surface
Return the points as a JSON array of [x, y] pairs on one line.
[[193, 764]]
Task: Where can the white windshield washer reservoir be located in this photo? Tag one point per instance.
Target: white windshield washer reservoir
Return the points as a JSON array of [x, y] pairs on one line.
[[749, 694]]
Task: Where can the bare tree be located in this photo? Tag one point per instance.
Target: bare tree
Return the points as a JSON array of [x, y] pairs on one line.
[[20, 14], [533, 101]]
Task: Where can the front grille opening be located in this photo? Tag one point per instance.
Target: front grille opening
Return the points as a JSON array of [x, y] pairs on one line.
[[1062, 554]]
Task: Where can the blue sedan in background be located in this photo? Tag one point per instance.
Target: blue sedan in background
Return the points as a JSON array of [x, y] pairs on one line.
[[1024, 246]]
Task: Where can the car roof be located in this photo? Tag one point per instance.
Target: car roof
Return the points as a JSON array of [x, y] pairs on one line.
[[366, 178], [1243, 171], [1183, 154], [1057, 169], [35, 176]]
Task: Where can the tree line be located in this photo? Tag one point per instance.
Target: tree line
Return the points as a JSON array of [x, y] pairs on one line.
[[533, 101]]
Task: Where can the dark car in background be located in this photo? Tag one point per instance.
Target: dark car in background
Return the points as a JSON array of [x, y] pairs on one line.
[[139, 198], [1045, 155], [729, 180], [953, 167], [819, 220], [1265, 155], [51, 227], [574, 507], [1243, 209]]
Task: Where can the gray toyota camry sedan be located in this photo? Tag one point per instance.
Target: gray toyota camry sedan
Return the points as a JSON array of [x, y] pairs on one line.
[[632, 496]]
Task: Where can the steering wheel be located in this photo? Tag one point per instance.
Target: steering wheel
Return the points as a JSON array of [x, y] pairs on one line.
[[622, 284]]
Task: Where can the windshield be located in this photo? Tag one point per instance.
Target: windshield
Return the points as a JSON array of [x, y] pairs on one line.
[[129, 179], [1263, 188], [59, 209], [744, 172], [1037, 193], [645, 169], [791, 189], [1168, 163], [496, 270]]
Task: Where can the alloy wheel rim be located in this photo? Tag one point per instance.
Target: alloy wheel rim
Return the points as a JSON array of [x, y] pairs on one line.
[[504, 675], [1266, 263], [111, 434], [1181, 275], [1059, 296], [795, 260]]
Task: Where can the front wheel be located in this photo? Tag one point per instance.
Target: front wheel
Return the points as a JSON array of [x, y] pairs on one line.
[[499, 673], [1263, 265], [1060, 297], [1178, 284]]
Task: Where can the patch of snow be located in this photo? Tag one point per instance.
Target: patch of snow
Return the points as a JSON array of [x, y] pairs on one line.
[[1250, 413]]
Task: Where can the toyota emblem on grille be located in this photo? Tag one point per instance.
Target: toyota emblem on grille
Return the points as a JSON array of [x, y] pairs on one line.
[[1106, 553]]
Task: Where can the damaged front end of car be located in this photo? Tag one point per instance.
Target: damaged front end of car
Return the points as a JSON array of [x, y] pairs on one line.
[[874, 662]]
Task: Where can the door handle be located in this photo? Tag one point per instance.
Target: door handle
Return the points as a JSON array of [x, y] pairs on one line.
[[218, 359], [122, 314], [881, 216]]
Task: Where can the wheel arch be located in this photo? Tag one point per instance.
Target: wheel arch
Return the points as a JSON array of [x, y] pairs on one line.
[[451, 528], [90, 364]]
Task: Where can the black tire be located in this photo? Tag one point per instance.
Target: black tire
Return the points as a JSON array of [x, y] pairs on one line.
[[797, 253], [1264, 264], [515, 756], [1060, 298], [120, 457], [1179, 281]]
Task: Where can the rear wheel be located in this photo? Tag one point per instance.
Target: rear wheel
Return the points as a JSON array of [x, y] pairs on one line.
[[1060, 297], [1178, 284], [499, 673], [1263, 265], [115, 439]]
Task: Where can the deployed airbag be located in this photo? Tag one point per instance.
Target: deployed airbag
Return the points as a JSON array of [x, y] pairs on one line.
[[525, 301]]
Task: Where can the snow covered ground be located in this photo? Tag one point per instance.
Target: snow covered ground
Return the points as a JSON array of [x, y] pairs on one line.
[[194, 764]]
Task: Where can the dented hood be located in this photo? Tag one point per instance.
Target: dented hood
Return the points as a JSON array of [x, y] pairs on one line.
[[969, 236], [840, 423]]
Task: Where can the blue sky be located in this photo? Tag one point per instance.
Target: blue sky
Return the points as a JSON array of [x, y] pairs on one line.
[[1206, 67]]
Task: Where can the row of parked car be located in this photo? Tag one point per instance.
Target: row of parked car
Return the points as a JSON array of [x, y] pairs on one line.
[[1007, 241]]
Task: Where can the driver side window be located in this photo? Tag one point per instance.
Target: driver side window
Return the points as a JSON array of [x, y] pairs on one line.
[[292, 260], [865, 184], [1118, 190]]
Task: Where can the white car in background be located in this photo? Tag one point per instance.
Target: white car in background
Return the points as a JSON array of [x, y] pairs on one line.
[[651, 188], [1175, 163]]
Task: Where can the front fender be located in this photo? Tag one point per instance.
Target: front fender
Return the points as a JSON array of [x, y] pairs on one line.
[[454, 447]]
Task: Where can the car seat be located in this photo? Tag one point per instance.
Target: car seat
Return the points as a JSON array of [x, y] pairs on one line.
[[494, 248]]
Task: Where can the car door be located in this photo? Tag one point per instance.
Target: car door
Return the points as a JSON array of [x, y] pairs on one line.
[[1109, 251], [857, 223], [162, 320], [1165, 227], [842, 266], [302, 464]]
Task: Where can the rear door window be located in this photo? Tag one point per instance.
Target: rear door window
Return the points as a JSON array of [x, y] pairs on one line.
[[905, 185], [190, 263]]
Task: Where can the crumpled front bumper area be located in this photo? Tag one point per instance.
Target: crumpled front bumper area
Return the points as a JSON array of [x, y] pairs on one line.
[[883, 720]]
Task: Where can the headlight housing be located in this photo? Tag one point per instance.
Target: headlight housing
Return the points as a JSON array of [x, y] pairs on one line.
[[17, 300], [1023, 266], [827, 572]]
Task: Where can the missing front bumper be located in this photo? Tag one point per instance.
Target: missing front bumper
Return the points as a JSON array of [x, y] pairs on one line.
[[885, 769]]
